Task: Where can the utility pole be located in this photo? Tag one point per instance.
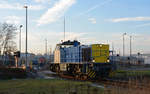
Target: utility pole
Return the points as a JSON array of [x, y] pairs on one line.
[[26, 7], [50, 50], [50, 56], [20, 38], [46, 47], [130, 46], [112, 48], [112, 52], [124, 44], [64, 28], [18, 59]]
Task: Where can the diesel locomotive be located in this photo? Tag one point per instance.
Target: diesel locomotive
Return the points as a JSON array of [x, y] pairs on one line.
[[81, 61]]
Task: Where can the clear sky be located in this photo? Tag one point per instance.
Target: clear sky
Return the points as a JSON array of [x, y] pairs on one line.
[[90, 21]]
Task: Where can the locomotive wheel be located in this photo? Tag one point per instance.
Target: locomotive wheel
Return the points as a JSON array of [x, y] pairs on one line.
[[83, 77], [51, 68], [57, 69], [76, 76]]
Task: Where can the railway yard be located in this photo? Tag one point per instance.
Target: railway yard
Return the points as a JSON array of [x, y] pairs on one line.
[[74, 47], [113, 85], [46, 82], [78, 69]]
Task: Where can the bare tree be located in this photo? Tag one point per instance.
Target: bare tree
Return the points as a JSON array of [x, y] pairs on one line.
[[7, 36]]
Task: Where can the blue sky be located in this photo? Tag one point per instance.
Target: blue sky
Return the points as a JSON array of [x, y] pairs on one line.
[[90, 21]]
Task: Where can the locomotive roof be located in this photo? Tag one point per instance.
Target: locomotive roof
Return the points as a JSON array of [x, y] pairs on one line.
[[70, 42]]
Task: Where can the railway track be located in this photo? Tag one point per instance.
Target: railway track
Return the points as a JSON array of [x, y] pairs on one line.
[[112, 82], [124, 84]]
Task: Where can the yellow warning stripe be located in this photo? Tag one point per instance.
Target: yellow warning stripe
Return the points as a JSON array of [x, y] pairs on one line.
[[92, 75], [89, 73]]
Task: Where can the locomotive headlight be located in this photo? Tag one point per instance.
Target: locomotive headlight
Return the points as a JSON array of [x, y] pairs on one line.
[[108, 60], [100, 45], [93, 60]]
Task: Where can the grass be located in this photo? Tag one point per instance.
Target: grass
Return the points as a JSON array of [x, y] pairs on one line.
[[129, 73], [132, 87], [138, 82], [31, 86]]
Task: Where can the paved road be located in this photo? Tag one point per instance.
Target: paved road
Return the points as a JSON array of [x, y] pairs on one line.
[[45, 75]]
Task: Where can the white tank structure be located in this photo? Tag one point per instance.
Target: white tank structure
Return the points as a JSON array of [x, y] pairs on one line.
[[67, 52]]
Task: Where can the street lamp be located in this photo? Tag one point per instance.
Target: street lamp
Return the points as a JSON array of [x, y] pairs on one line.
[[26, 7], [123, 44], [20, 38]]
